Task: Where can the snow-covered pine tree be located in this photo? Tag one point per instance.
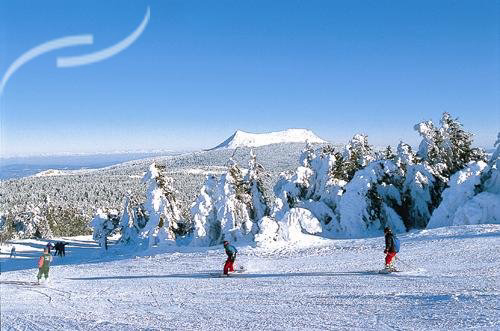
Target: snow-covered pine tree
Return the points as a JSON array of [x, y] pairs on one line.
[[313, 186], [340, 167], [420, 188], [458, 145], [490, 178], [369, 201], [162, 211], [206, 227], [431, 146], [30, 222], [472, 196], [230, 208], [357, 153], [254, 177], [104, 223], [388, 153], [233, 205], [405, 156], [132, 221], [447, 148]]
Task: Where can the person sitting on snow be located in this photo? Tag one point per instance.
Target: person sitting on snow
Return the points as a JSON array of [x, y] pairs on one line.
[[44, 264], [231, 257], [390, 250]]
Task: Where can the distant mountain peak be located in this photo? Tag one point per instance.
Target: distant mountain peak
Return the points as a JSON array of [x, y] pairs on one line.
[[247, 139]]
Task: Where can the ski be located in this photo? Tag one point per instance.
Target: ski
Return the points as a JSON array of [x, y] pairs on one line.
[[386, 271]]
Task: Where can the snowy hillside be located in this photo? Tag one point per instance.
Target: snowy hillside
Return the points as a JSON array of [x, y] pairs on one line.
[[50, 172], [245, 139], [449, 280], [269, 193], [77, 193]]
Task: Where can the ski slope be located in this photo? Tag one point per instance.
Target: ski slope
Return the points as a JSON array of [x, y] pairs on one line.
[[450, 280]]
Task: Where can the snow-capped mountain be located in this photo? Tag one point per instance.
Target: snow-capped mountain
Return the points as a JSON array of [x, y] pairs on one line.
[[247, 139]]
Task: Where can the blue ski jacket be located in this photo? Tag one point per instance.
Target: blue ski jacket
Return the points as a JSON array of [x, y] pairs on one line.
[[230, 250]]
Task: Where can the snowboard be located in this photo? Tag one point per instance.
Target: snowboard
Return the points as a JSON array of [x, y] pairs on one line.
[[388, 271]]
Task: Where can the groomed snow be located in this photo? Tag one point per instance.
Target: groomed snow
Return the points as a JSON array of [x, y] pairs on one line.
[[450, 280]]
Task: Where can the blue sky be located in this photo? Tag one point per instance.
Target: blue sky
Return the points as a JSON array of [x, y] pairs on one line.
[[203, 69]]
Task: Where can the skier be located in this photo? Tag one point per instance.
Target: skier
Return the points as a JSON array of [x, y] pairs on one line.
[[231, 257], [390, 250], [63, 248], [49, 246], [13, 251], [58, 249], [44, 265]]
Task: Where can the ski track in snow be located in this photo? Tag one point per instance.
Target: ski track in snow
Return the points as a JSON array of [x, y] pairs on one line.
[[449, 280]]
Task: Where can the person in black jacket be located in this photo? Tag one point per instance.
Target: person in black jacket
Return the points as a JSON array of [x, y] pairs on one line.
[[390, 250]]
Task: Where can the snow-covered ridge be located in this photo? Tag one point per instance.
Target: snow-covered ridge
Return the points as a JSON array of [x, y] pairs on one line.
[[50, 172], [247, 139]]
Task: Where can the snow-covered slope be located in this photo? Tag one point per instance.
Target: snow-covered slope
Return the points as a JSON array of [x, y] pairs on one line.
[[246, 139], [50, 172], [449, 280]]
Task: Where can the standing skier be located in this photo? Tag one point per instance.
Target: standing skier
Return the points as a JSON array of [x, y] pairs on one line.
[[231, 257], [390, 249], [44, 264], [13, 251], [49, 246]]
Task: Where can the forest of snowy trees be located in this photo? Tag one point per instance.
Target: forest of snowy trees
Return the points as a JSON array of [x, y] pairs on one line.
[[336, 193], [347, 192]]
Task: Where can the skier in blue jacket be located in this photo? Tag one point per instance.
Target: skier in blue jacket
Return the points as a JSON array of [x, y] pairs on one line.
[[231, 257]]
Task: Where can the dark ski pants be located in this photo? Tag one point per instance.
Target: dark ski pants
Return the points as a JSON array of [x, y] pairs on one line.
[[389, 257], [44, 271], [229, 266]]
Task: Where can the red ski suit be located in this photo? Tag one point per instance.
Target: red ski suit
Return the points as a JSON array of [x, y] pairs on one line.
[[231, 256]]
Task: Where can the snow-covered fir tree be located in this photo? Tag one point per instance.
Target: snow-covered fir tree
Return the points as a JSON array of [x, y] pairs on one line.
[[388, 154], [447, 148], [132, 221], [28, 222], [473, 195], [254, 177], [313, 186], [104, 224], [206, 227], [490, 180], [231, 207], [161, 208], [357, 153], [369, 201]]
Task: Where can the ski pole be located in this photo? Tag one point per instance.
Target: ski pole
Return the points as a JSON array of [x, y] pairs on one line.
[[404, 263]]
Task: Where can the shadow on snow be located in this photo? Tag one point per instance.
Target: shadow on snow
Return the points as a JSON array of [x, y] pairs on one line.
[[215, 274]]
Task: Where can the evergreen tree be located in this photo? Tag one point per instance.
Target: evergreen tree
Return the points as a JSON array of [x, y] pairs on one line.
[[254, 178], [206, 227], [104, 224], [161, 207], [132, 221], [357, 153], [388, 153], [448, 148], [230, 208]]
